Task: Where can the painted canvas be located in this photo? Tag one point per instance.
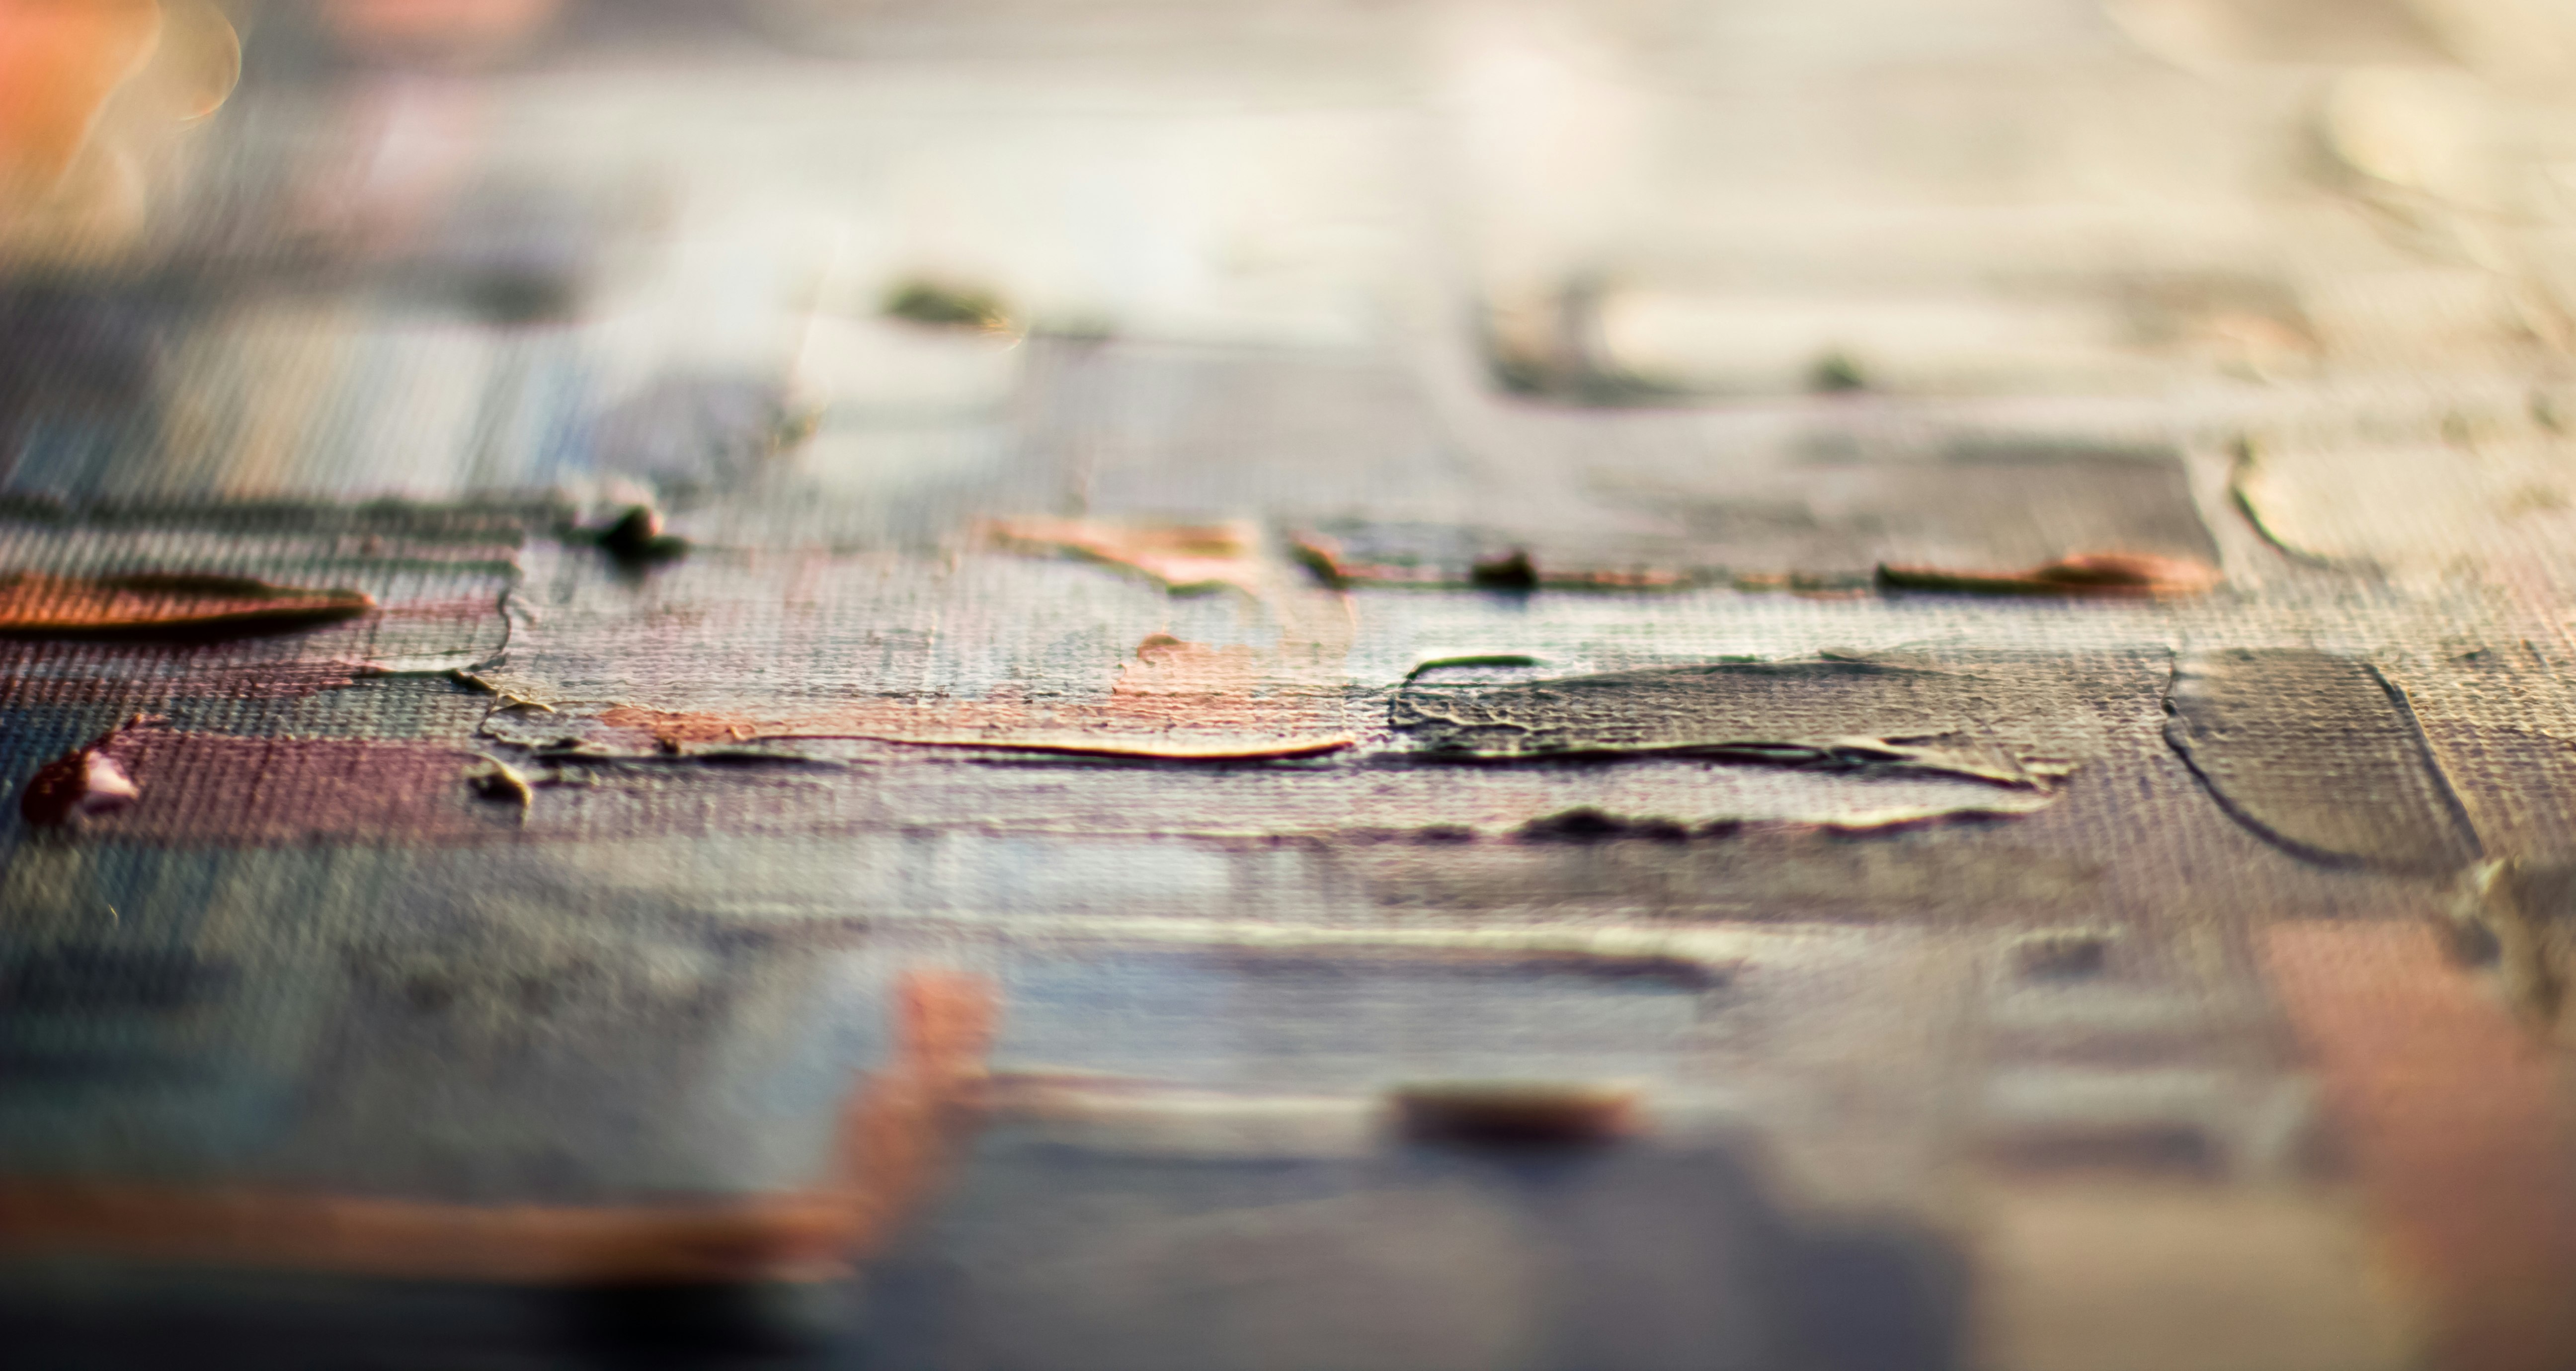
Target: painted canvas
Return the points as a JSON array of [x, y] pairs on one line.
[[1299, 685]]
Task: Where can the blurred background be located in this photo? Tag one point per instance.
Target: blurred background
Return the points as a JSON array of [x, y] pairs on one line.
[[592, 222]]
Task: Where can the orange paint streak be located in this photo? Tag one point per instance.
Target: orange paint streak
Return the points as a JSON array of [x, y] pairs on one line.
[[2458, 1125], [32, 602], [898, 1132], [1175, 700], [1183, 557], [59, 62], [2103, 575], [1222, 732]]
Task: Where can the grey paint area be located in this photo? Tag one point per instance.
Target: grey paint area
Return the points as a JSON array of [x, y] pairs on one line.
[[2321, 755]]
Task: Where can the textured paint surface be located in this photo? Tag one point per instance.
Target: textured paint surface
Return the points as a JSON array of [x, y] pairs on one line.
[[894, 1129], [1616, 571], [1844, 713], [2322, 755]]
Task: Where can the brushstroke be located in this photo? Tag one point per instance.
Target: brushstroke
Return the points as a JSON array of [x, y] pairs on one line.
[[1691, 958], [2480, 490], [723, 652], [2089, 575], [1431, 664], [2458, 1128], [1834, 714], [1832, 508], [162, 676], [996, 725], [1173, 700], [2321, 756], [1184, 558], [1586, 824], [897, 1133], [2246, 493], [34, 603], [1350, 797], [2516, 784], [1382, 558]]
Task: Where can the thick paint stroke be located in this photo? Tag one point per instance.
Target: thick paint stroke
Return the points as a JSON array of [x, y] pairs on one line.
[[2320, 755], [34, 603], [1836, 714], [1443, 558], [2090, 575]]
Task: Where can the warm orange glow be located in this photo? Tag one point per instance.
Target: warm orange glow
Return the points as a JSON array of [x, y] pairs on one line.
[[59, 62]]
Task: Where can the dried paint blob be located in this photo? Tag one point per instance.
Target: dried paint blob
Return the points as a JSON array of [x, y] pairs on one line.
[[1436, 557], [76, 785], [1508, 1113], [948, 306], [33, 603], [636, 538], [2321, 755]]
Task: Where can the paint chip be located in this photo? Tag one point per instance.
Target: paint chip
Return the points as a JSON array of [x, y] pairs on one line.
[[75, 785], [498, 780]]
